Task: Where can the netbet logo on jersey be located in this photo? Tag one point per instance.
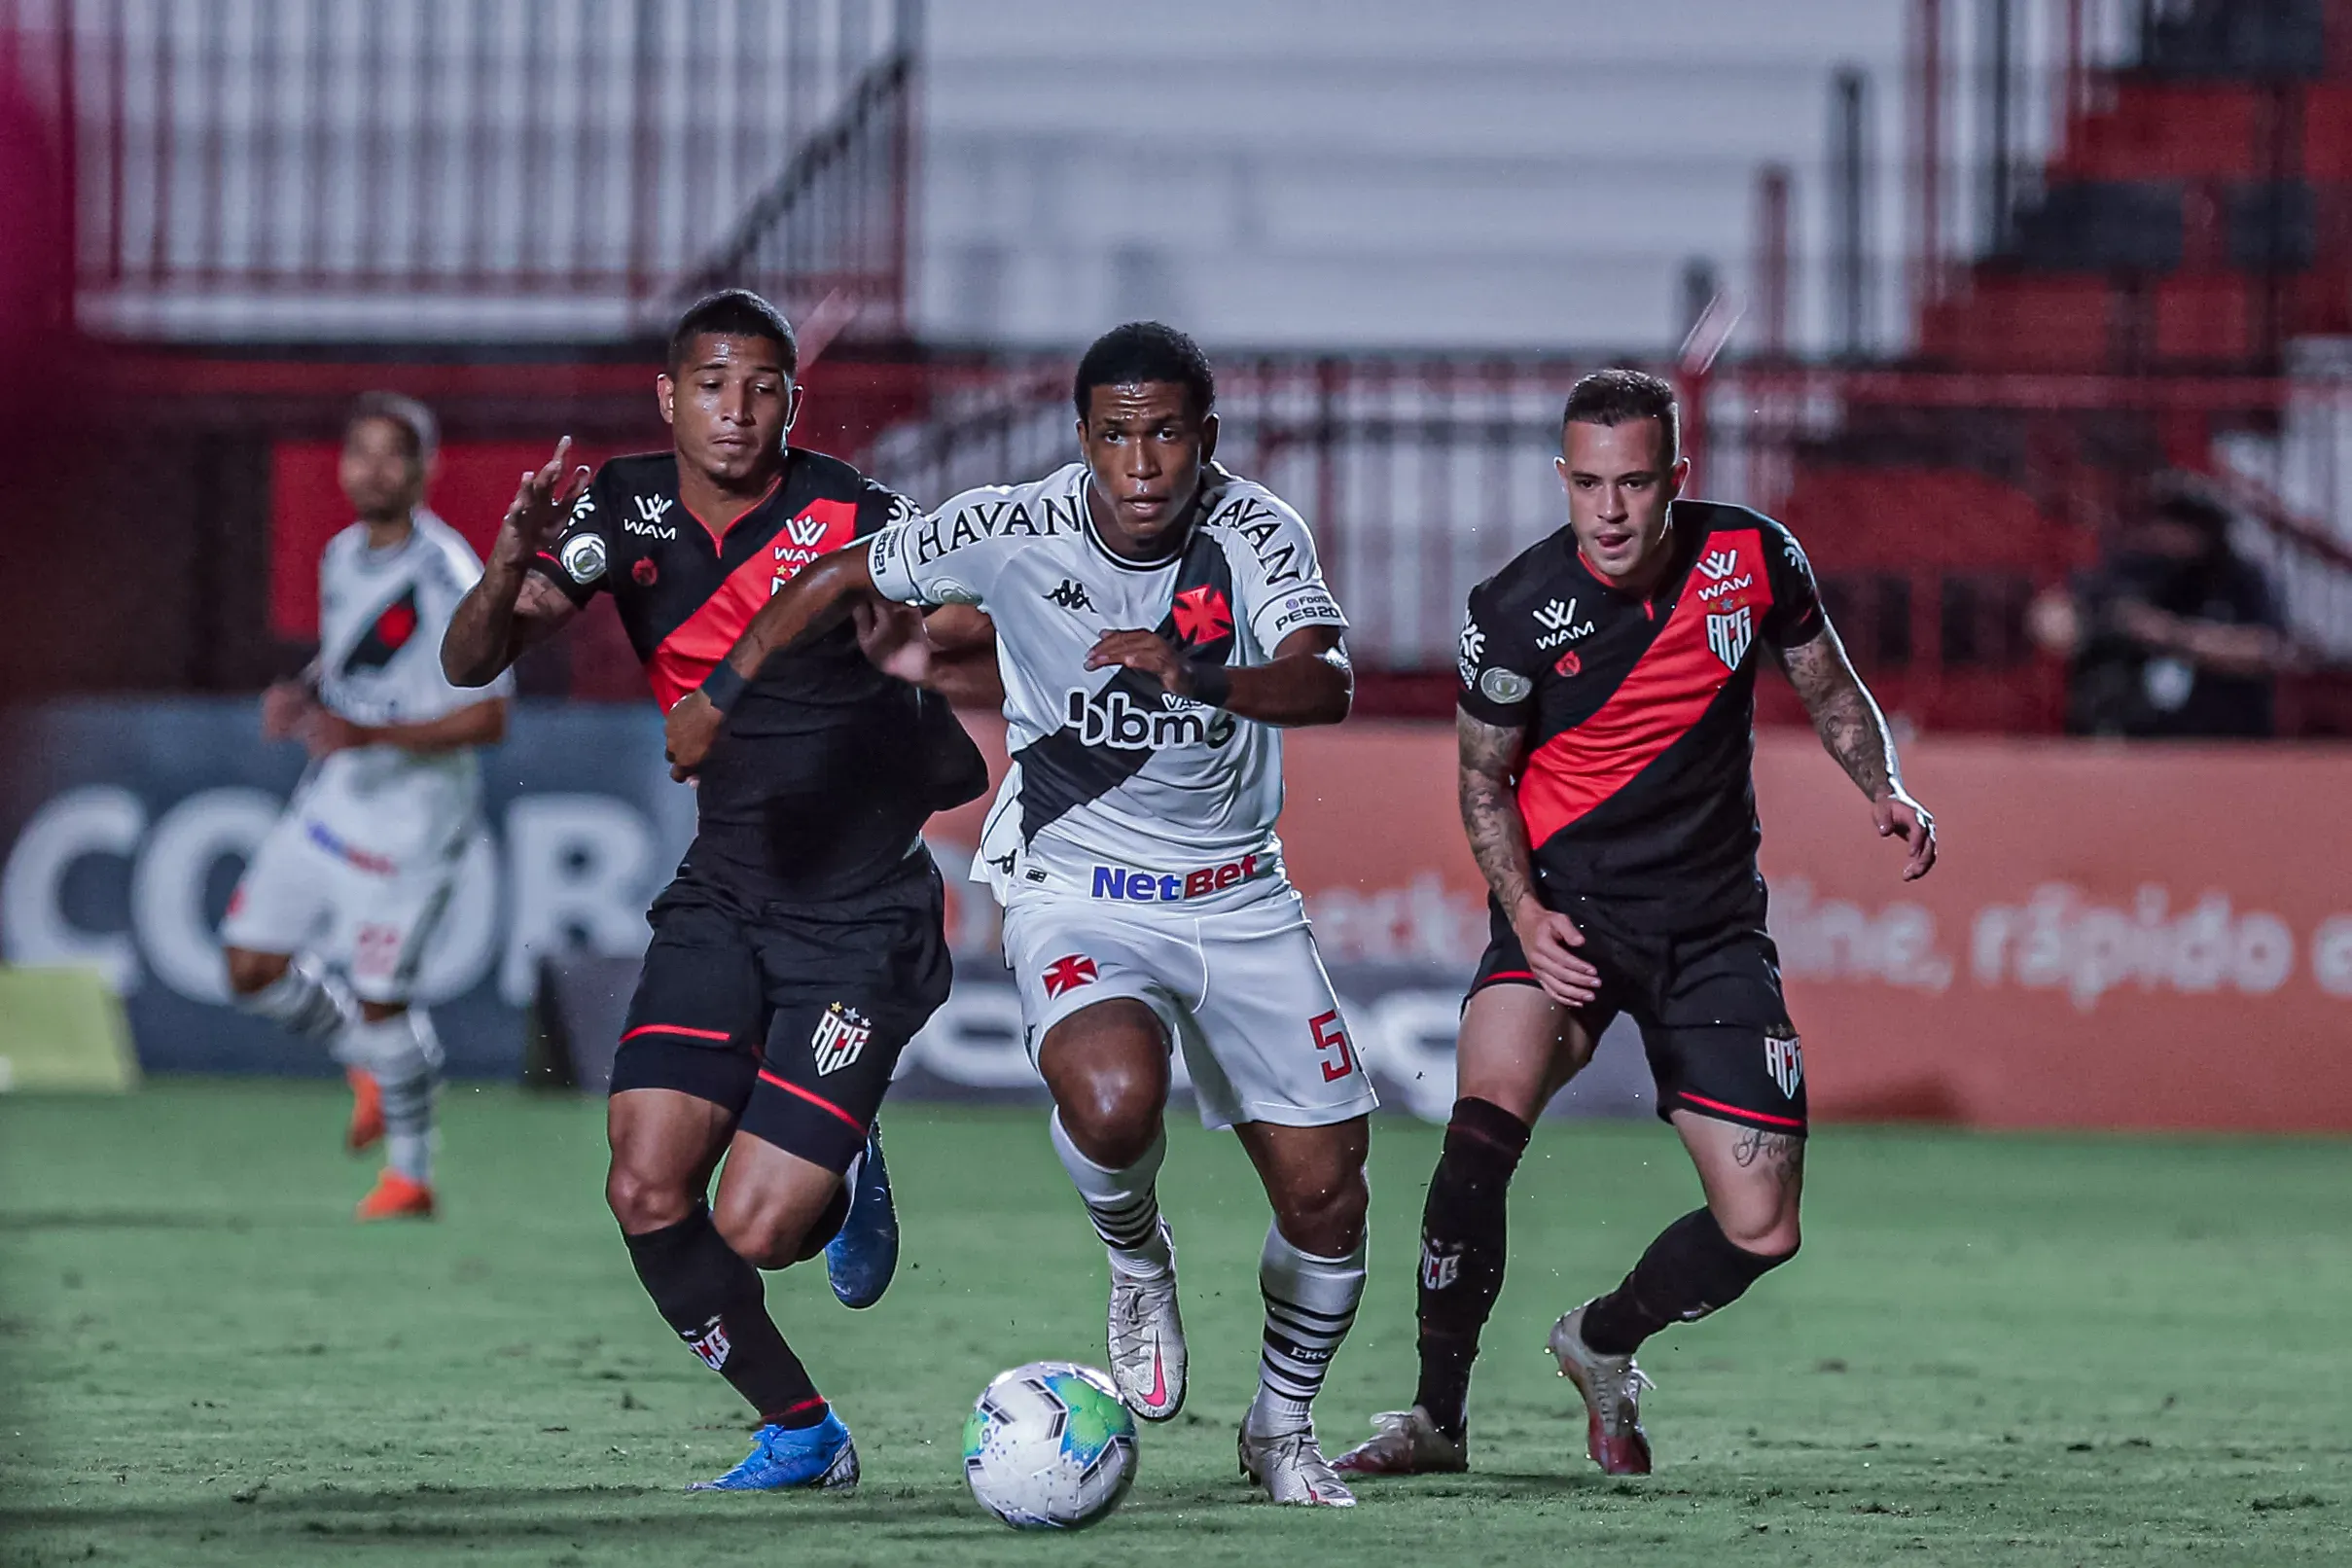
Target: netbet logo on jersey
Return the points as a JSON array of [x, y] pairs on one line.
[[1113, 719]]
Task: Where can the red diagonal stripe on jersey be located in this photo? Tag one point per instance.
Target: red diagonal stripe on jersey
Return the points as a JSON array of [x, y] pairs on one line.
[[1667, 691], [686, 655]]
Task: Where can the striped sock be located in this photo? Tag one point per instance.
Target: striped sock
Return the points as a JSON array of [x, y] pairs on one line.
[[1310, 1304], [306, 1002], [404, 1055], [1123, 1204]]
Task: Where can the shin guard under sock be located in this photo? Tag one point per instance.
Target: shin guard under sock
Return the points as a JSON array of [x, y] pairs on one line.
[[1692, 1269], [714, 1300], [1464, 1243]]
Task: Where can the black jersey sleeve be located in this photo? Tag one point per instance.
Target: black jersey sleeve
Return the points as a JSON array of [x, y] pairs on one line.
[[577, 561], [1795, 616], [1497, 660], [880, 507]]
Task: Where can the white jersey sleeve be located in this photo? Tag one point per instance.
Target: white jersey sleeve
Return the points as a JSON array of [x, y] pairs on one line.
[[1278, 581], [956, 555]]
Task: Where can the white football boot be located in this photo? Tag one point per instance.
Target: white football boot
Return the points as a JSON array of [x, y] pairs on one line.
[[1612, 1386], [1147, 1341], [1292, 1468], [1405, 1443]]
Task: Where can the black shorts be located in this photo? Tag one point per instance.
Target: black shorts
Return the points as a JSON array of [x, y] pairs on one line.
[[791, 1016], [1713, 1022]]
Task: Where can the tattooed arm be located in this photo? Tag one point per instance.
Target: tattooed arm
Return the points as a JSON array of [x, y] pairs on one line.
[[1855, 732], [1489, 756]]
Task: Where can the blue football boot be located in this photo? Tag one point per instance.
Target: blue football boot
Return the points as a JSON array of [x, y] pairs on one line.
[[864, 1257], [819, 1457]]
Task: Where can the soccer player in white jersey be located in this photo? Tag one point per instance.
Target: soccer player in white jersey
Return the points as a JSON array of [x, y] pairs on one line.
[[355, 875], [1158, 622]]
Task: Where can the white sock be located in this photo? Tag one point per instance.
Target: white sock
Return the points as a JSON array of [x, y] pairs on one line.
[[1123, 1204], [306, 1001], [403, 1053], [1310, 1304]]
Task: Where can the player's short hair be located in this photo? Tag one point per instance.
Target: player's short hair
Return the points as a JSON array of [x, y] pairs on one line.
[[411, 416], [733, 313], [1613, 396], [1144, 351]]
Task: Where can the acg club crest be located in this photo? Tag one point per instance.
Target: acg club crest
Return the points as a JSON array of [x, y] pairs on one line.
[[840, 1038]]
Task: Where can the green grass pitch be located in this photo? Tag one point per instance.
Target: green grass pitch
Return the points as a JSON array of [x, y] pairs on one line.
[[2028, 1350]]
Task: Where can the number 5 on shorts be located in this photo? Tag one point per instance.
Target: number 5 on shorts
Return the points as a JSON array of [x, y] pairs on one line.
[[1331, 1040]]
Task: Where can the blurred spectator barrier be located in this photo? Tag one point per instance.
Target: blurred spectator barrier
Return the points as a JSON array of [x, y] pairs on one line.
[[2133, 937]]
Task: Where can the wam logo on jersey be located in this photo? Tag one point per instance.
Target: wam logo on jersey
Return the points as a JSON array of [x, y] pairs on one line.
[[840, 1038], [1718, 564], [1560, 625], [1113, 719], [1729, 635], [649, 512], [1784, 1060]]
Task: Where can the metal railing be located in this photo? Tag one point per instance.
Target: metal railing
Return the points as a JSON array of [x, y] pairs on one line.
[[490, 169]]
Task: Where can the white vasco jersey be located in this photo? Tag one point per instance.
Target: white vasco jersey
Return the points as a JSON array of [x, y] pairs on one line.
[[1119, 791], [381, 616]]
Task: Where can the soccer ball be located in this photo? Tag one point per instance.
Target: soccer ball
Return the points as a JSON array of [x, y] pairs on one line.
[[1050, 1447]]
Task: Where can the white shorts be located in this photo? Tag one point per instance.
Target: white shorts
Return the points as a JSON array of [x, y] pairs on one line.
[[310, 891], [1241, 992]]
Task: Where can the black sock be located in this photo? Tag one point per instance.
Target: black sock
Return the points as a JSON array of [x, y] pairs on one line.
[[1688, 1271], [829, 1225], [1464, 1242], [705, 1291]]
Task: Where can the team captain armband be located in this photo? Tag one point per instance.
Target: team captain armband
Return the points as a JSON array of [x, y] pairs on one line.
[[724, 685]]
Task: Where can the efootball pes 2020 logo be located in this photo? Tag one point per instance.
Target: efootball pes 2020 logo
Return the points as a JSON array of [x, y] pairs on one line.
[[840, 1038]]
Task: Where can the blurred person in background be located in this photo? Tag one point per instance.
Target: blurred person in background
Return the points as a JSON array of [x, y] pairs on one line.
[[357, 873], [2172, 634]]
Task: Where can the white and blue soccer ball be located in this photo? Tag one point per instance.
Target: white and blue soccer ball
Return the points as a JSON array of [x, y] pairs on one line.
[[1050, 1447]]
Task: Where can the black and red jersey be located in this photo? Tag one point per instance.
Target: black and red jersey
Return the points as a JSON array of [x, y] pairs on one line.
[[1638, 784], [827, 768]]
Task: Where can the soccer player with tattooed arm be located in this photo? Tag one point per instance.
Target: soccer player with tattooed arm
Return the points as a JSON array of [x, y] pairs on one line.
[[1606, 729]]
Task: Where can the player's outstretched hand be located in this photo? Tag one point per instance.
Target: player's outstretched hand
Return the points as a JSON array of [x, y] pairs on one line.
[[544, 499], [1146, 653], [893, 639], [1550, 940], [688, 733], [324, 731], [284, 706], [1897, 813]]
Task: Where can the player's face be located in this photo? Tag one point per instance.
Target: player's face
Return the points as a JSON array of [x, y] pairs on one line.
[[1145, 446], [380, 472], [730, 408], [1618, 483]]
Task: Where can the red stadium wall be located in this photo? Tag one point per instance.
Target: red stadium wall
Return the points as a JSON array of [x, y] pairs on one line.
[[2147, 938]]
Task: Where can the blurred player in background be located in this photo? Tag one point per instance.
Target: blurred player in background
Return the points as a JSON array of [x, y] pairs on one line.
[[359, 870], [1607, 741], [1159, 621], [803, 942]]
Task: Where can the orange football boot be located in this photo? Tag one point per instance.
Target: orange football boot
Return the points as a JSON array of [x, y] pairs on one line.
[[397, 1198], [366, 1128]]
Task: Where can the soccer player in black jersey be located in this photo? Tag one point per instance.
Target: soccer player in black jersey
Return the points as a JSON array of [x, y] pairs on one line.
[[1606, 733], [802, 942]]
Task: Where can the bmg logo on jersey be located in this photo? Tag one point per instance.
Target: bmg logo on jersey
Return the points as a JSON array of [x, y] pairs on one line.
[[1112, 718], [840, 1038]]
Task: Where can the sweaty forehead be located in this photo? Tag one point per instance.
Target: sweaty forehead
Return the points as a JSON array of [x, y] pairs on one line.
[[1626, 447], [731, 351], [1139, 401]]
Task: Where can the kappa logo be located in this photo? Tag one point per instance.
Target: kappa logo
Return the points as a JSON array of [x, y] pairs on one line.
[[840, 1038], [1069, 972], [1729, 635], [711, 1343], [1440, 1267], [1784, 1060], [1071, 596], [1718, 564], [1559, 624]]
